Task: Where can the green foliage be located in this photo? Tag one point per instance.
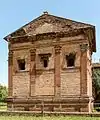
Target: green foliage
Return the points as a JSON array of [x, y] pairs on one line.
[[96, 79], [3, 93]]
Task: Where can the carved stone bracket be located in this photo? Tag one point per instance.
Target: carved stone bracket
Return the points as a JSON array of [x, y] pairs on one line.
[[10, 58], [32, 54], [84, 47], [57, 49]]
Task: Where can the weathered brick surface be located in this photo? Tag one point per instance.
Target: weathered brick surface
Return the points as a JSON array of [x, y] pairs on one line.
[[70, 48], [44, 28], [21, 84], [70, 84], [21, 54], [44, 84], [70, 76], [44, 50], [21, 79]]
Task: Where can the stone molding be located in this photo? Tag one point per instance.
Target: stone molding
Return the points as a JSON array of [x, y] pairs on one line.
[[52, 99], [44, 36]]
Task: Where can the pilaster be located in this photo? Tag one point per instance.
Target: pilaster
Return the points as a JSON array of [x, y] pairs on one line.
[[83, 69], [10, 72], [32, 71], [57, 78]]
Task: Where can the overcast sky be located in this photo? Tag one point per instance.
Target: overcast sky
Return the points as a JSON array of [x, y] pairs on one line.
[[16, 13]]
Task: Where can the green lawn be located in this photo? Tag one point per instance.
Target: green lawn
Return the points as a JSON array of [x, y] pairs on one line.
[[47, 118]]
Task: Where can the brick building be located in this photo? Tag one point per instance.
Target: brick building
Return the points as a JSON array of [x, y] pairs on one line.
[[50, 65]]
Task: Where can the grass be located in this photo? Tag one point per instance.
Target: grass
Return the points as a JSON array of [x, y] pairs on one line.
[[47, 118]]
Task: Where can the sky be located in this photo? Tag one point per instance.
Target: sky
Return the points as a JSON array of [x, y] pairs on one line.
[[16, 13]]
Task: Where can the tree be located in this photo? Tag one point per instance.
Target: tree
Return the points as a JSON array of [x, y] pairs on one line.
[[3, 93], [96, 82]]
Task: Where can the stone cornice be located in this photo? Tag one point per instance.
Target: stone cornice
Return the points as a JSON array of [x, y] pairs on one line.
[[51, 35], [44, 36]]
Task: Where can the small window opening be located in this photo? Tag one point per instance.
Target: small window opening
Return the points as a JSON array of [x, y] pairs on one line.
[[45, 63], [70, 60], [44, 58], [21, 64]]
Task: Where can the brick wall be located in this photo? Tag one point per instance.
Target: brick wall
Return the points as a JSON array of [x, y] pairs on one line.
[[21, 79], [44, 84], [44, 78], [70, 83], [21, 84], [70, 76]]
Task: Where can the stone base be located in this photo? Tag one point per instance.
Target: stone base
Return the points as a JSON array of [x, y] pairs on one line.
[[61, 104]]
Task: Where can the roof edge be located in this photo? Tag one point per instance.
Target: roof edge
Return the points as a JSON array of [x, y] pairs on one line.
[[45, 13]]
